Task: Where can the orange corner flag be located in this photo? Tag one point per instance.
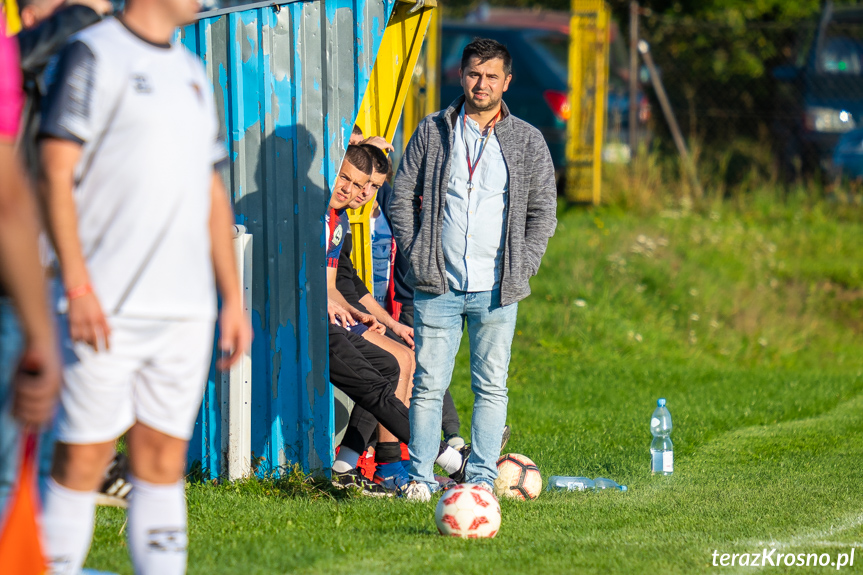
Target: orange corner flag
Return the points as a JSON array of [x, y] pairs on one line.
[[20, 542]]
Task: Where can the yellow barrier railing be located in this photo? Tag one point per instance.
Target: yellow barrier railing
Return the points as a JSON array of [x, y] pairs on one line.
[[382, 104], [588, 89]]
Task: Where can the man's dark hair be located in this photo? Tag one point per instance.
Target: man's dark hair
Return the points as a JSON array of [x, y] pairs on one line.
[[359, 158], [380, 162], [487, 49], [357, 131]]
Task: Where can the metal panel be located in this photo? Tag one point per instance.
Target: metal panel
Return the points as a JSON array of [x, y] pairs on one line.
[[288, 81], [588, 88]]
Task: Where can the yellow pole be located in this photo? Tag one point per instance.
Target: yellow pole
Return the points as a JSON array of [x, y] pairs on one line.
[[383, 102]]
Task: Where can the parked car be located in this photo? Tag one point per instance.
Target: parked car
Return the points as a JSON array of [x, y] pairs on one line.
[[538, 93], [823, 98], [848, 156]]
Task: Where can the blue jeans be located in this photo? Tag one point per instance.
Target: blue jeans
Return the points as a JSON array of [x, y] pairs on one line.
[[11, 345], [439, 321]]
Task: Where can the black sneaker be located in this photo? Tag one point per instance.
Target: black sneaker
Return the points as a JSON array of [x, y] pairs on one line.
[[458, 476], [356, 481], [115, 490]]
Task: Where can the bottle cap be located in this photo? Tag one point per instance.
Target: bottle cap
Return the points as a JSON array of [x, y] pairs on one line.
[[660, 402], [623, 487]]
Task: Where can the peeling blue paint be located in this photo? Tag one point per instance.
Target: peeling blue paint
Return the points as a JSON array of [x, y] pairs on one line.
[[278, 88]]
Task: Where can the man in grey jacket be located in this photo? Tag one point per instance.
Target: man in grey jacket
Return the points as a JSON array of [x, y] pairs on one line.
[[473, 206]]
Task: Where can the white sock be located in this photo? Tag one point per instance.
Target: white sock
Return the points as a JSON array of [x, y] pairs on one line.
[[346, 460], [450, 460], [67, 524], [157, 528]]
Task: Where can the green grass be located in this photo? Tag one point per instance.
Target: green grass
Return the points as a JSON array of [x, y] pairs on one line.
[[747, 318]]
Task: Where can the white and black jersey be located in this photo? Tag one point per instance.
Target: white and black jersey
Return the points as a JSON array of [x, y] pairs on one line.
[[145, 116]]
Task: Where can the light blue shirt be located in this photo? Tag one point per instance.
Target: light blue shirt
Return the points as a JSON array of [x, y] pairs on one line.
[[474, 223]]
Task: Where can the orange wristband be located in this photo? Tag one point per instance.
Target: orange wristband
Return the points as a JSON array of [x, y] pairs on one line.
[[79, 291]]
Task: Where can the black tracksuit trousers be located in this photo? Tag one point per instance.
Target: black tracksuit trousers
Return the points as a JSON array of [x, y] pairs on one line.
[[368, 375]]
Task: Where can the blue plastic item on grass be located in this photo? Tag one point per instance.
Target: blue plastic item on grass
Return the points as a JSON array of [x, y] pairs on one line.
[[563, 483], [605, 483]]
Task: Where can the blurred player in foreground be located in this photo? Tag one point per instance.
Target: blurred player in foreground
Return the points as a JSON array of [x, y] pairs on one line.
[[29, 366], [140, 222]]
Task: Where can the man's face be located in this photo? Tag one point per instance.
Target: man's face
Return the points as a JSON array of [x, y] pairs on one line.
[[37, 12], [377, 180], [349, 184], [484, 84]]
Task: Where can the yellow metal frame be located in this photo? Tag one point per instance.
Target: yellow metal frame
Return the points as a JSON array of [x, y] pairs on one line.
[[588, 91], [424, 95], [382, 104]]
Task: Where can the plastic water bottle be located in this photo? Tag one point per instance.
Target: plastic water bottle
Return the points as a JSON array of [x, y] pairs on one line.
[[562, 483], [605, 483], [661, 449]]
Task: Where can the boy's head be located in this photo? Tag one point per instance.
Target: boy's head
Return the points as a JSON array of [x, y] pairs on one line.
[[380, 169], [353, 176], [356, 135]]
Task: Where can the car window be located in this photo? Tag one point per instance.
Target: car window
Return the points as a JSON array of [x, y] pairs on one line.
[[841, 52], [553, 47], [452, 46]]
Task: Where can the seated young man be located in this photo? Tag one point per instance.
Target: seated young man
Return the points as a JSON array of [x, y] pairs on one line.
[[362, 426], [404, 292], [359, 368]]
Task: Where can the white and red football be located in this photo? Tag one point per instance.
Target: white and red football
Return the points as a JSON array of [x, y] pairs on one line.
[[517, 477], [468, 511]]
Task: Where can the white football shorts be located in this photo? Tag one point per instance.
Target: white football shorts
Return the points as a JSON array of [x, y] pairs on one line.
[[154, 373]]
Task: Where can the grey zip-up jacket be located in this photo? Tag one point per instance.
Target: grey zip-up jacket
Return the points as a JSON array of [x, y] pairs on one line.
[[419, 195]]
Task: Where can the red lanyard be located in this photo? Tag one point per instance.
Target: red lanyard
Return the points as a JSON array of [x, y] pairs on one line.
[[472, 168]]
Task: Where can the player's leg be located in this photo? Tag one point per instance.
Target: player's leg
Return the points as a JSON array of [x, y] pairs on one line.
[[362, 425], [450, 423], [437, 335], [157, 510], [388, 454], [96, 407], [490, 328], [70, 503], [352, 371], [168, 391], [403, 355]]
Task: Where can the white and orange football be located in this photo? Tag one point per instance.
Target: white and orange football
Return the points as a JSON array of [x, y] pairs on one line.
[[468, 511], [517, 477]]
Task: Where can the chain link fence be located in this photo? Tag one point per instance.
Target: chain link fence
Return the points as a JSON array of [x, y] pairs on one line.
[[784, 100]]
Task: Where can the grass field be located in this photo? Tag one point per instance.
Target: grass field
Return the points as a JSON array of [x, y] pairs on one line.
[[748, 318]]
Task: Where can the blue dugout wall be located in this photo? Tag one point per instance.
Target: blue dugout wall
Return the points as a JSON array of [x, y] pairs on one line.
[[289, 79]]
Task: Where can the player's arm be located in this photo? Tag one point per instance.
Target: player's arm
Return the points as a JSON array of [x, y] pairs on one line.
[[87, 321], [335, 295], [400, 329], [235, 334], [37, 382], [69, 120]]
